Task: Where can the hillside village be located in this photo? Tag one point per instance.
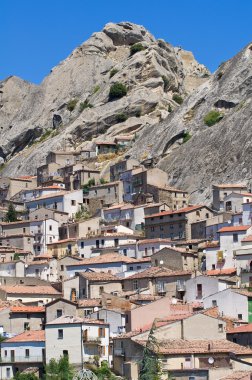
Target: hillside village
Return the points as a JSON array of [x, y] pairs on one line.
[[93, 266]]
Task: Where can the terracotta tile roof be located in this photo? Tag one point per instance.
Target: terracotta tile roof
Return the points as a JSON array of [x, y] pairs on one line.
[[181, 346], [105, 143], [179, 211], [52, 195], [238, 375], [234, 228], [247, 238], [62, 241], [89, 302], [27, 309], [99, 276], [241, 329], [245, 194], [210, 244], [106, 258], [231, 185], [150, 241], [143, 297], [28, 336], [70, 319], [173, 189], [23, 289], [39, 262], [219, 272], [243, 292], [154, 272]]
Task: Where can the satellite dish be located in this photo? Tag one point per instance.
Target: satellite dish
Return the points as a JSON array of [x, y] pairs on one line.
[[204, 251], [96, 309], [211, 360], [229, 222], [161, 262]]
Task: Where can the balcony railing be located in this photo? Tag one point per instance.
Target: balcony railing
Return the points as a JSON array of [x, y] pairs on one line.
[[21, 359], [91, 340]]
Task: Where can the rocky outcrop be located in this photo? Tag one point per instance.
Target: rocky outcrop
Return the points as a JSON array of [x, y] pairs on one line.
[[71, 106], [212, 154]]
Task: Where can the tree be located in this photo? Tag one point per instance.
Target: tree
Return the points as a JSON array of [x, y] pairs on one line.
[[11, 215], [59, 370], [150, 368]]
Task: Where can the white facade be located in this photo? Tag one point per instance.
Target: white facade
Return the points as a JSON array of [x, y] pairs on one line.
[[21, 352], [44, 270], [230, 303], [45, 232]]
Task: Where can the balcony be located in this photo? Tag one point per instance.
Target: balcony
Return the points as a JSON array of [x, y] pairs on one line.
[[22, 359], [91, 340]]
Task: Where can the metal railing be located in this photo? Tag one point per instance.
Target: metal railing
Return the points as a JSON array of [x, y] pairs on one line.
[[21, 359]]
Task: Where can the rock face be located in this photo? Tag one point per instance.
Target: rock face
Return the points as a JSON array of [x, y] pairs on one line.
[[214, 154], [71, 105]]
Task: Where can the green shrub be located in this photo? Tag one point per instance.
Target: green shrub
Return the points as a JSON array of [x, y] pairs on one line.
[[136, 48], [85, 105], [186, 137], [113, 72], [166, 82], [177, 98], [72, 104], [212, 118], [102, 181], [170, 108], [96, 89], [121, 117], [117, 91]]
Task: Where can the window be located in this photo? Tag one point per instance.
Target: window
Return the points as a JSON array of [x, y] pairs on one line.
[[108, 189], [36, 272], [135, 284], [101, 289], [138, 267], [101, 332], [5, 353], [24, 230], [239, 316], [235, 238], [26, 326], [73, 202], [161, 228], [59, 313], [50, 228], [62, 267], [145, 251], [82, 244], [28, 316], [125, 251], [27, 353], [130, 268], [197, 213], [213, 266], [199, 290], [220, 327], [207, 215], [65, 353], [214, 303], [153, 250], [161, 217], [171, 226], [152, 229], [60, 334]]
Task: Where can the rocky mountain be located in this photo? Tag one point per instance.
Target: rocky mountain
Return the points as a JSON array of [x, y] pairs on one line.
[[205, 139], [208, 139], [72, 108]]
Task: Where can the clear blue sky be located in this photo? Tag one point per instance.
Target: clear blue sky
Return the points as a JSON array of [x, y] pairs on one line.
[[37, 34]]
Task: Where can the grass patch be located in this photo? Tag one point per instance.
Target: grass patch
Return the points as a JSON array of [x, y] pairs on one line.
[[113, 72], [85, 105], [212, 118], [96, 89], [121, 117], [136, 48], [177, 98], [186, 137], [72, 104]]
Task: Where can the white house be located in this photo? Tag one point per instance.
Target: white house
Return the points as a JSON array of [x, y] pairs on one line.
[[109, 262], [31, 194], [21, 352], [230, 239], [235, 303], [234, 201], [91, 246], [66, 201], [45, 232], [43, 269], [79, 338], [126, 214]]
